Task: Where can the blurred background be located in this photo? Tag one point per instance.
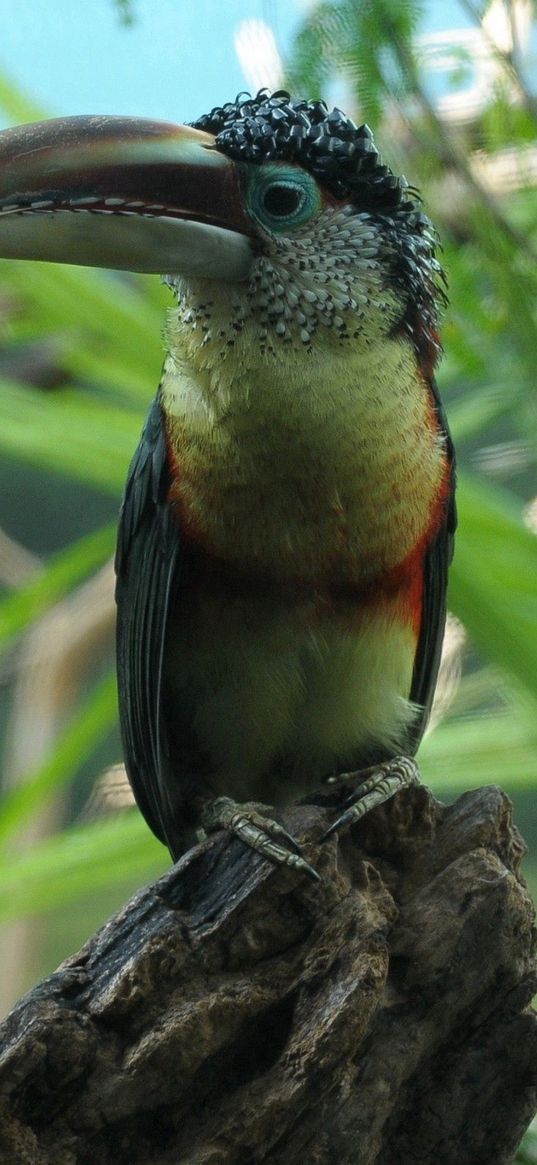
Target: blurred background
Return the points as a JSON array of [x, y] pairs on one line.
[[450, 90]]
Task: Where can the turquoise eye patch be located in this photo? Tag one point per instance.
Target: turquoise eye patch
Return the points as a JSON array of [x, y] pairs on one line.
[[283, 197]]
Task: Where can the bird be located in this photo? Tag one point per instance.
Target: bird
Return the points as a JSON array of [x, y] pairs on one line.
[[288, 518]]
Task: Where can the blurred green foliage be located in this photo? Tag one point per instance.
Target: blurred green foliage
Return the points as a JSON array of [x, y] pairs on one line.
[[105, 335]]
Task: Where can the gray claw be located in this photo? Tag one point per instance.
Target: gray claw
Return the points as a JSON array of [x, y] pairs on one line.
[[257, 831], [383, 781]]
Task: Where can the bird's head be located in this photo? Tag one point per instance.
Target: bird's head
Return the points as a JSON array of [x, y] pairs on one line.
[[269, 216]]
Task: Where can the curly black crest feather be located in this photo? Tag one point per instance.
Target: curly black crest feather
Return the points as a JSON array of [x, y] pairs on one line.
[[340, 154]]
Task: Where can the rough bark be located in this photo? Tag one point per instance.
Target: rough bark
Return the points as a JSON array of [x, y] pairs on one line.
[[237, 1014]]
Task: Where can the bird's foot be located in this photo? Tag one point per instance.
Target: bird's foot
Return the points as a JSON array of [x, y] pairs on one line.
[[260, 832], [376, 785]]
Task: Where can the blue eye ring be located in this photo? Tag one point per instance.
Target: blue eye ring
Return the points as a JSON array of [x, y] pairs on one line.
[[283, 197], [282, 200]]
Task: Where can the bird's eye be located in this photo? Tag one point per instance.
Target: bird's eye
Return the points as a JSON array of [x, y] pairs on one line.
[[283, 197], [280, 200]]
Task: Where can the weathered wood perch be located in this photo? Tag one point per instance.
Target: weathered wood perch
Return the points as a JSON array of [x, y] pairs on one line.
[[234, 1014]]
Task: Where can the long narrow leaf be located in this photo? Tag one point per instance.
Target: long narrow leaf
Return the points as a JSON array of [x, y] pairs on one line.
[[63, 572], [488, 749], [494, 580], [70, 434], [15, 103], [78, 861], [97, 302], [88, 727]]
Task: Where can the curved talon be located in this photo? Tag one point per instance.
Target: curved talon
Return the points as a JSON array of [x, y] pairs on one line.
[[385, 780], [258, 832], [345, 819], [278, 830]]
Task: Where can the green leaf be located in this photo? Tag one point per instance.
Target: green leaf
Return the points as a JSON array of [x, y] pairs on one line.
[[499, 748], [18, 107], [493, 580], [481, 407], [69, 433], [63, 572], [81, 859], [102, 305], [90, 724]]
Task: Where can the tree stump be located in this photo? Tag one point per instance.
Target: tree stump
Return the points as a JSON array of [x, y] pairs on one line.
[[234, 1013]]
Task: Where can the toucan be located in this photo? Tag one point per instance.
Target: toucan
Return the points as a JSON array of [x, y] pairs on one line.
[[288, 517]]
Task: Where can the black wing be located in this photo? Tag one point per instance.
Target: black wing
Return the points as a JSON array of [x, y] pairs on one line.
[[438, 558], [148, 554]]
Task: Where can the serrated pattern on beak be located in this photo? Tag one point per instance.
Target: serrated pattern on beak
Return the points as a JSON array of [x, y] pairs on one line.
[[150, 178]]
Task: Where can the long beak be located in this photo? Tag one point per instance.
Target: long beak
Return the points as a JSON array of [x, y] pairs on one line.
[[126, 193]]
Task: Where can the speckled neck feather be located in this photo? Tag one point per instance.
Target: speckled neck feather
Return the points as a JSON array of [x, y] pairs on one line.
[[343, 158]]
